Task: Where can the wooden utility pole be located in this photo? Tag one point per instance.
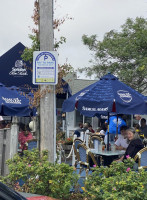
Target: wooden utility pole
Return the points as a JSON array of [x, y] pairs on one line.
[[47, 104]]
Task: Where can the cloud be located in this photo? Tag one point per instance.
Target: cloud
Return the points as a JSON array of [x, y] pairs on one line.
[[93, 17], [14, 26], [90, 17]]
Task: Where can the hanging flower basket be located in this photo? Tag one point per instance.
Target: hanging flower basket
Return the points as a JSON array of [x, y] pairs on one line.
[[66, 144]]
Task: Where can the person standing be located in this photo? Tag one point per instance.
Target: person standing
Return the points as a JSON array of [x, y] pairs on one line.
[[113, 127], [144, 127]]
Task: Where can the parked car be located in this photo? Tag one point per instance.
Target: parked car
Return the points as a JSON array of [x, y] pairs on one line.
[[7, 193]]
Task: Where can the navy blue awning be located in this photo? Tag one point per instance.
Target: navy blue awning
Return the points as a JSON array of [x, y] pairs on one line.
[[16, 72]]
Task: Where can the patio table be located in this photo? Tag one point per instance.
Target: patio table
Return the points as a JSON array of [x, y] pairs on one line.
[[108, 153], [108, 156]]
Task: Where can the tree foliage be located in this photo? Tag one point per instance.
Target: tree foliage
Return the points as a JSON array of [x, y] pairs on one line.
[[27, 54], [122, 53]]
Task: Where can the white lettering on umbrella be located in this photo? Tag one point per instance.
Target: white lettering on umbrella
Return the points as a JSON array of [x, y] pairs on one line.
[[12, 100], [94, 109], [19, 69], [81, 94], [125, 95]]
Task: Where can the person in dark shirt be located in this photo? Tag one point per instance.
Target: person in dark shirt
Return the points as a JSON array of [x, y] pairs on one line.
[[77, 132], [135, 144], [144, 127]]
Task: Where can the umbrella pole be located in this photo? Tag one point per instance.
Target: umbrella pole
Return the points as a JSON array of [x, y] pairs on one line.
[[117, 128], [108, 134]]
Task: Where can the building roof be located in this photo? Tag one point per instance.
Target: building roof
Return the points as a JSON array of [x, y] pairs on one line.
[[77, 84]]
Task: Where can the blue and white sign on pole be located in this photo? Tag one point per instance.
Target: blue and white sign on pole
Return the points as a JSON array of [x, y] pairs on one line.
[[45, 67]]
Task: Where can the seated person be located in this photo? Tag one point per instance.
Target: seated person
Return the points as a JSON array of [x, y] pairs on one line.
[[8, 125], [121, 142], [91, 129], [103, 129], [87, 133], [24, 136], [138, 130], [143, 127], [113, 127], [135, 144], [85, 127], [77, 132]]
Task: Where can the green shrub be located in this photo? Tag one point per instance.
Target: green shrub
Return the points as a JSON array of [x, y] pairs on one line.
[[40, 176], [117, 182]]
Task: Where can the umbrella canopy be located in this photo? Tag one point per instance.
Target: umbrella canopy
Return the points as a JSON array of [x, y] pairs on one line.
[[107, 95], [14, 70], [12, 103]]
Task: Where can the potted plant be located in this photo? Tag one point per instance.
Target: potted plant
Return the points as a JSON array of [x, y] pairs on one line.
[[67, 144]]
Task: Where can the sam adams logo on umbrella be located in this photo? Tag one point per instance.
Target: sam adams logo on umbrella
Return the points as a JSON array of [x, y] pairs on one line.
[[12, 100], [81, 94], [125, 95]]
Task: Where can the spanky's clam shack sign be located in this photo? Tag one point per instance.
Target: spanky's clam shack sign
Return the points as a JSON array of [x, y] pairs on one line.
[[107, 95]]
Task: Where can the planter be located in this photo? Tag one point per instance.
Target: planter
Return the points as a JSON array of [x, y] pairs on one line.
[[67, 147]]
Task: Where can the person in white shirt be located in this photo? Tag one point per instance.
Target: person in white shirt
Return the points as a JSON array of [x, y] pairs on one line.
[[121, 142]]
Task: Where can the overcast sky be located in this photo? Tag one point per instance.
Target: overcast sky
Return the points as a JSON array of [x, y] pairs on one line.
[[90, 17]]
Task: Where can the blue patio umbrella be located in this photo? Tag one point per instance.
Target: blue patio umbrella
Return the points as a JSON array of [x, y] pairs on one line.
[[105, 96], [29, 96], [13, 104]]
